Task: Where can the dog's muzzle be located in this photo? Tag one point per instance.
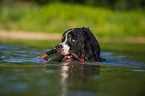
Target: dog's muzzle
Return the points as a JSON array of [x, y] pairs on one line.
[[62, 48]]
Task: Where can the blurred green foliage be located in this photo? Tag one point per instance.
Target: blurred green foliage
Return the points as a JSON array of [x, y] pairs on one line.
[[59, 17], [113, 4]]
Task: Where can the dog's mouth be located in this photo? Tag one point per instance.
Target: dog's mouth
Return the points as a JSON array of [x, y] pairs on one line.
[[68, 54], [67, 58], [72, 56], [55, 55]]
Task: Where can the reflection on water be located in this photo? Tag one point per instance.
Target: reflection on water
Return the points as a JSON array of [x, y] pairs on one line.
[[78, 73], [123, 74]]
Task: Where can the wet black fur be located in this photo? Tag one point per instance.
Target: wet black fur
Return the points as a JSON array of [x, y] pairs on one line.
[[84, 43]]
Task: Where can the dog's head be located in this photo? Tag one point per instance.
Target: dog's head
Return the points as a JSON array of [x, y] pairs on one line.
[[80, 41]]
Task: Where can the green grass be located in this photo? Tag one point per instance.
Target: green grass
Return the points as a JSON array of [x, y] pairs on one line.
[[59, 17]]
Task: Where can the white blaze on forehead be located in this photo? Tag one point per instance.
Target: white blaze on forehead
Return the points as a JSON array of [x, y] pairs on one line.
[[65, 48], [66, 34]]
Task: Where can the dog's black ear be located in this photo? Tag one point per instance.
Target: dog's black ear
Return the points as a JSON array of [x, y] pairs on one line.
[[86, 28], [92, 48]]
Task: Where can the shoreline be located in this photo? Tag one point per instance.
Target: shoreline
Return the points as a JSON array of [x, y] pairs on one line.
[[20, 35], [28, 35]]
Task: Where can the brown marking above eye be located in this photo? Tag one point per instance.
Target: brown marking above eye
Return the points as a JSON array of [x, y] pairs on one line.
[[62, 38], [69, 35]]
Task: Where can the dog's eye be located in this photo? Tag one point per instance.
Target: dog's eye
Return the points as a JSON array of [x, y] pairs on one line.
[[73, 40]]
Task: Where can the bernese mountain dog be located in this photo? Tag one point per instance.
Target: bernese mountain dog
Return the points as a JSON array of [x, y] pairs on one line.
[[81, 42]]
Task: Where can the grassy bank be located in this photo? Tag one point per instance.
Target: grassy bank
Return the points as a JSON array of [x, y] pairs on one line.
[[60, 17]]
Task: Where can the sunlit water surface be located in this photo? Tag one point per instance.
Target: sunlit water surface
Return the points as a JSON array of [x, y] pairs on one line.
[[122, 74]]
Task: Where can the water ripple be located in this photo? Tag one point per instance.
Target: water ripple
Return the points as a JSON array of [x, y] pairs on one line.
[[10, 53]]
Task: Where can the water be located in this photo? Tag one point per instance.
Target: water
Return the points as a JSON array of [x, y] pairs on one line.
[[123, 74]]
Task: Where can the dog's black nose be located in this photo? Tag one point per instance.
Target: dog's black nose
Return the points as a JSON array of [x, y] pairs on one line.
[[59, 46]]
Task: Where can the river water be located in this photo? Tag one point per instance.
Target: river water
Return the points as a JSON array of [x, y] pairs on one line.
[[122, 74]]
